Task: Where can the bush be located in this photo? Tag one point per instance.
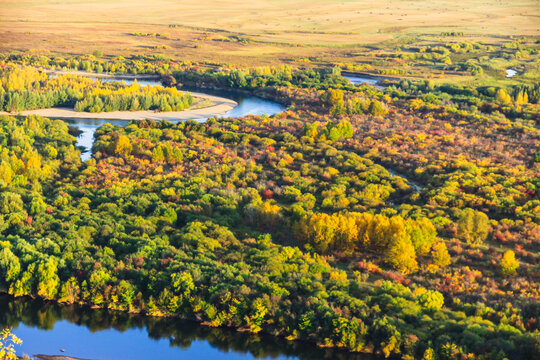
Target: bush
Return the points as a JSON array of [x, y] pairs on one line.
[[509, 264], [431, 300]]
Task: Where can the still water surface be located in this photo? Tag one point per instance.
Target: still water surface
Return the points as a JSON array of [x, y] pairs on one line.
[[47, 328]]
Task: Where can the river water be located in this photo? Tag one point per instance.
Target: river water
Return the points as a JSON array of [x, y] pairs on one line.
[[247, 105], [359, 80], [48, 328]]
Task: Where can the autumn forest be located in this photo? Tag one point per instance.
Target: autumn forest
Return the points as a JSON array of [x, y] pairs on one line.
[[400, 220]]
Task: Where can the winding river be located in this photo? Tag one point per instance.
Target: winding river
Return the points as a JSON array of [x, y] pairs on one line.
[[82, 332], [53, 329], [247, 105]]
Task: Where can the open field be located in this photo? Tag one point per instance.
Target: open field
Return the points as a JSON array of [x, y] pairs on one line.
[[244, 32]]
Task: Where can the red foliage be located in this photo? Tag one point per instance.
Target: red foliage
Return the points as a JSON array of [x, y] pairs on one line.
[[165, 262], [267, 194]]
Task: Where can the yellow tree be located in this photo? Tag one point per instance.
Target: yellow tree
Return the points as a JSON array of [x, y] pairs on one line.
[[123, 146], [440, 255], [380, 232], [6, 173], [473, 226], [508, 263], [8, 340], [346, 233], [363, 223], [333, 99], [400, 253], [316, 230], [502, 96]]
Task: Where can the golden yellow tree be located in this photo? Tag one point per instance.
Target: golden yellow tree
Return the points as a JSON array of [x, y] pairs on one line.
[[123, 146], [508, 263], [400, 253], [440, 255], [8, 340]]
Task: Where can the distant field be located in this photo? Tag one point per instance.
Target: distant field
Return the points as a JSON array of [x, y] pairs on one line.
[[244, 31]]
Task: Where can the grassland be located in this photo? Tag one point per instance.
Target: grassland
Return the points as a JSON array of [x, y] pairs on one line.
[[247, 32]]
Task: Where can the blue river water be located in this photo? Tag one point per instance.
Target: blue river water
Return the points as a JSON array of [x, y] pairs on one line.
[[247, 105], [81, 332]]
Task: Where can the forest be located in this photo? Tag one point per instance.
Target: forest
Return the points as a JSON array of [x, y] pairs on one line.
[[25, 88], [402, 222]]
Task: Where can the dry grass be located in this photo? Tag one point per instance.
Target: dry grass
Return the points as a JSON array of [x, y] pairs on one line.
[[277, 29]]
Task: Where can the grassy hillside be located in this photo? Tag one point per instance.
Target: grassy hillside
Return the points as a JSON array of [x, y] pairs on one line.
[[247, 31]]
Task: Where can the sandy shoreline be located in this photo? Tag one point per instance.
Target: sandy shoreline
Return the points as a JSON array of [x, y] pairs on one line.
[[219, 107], [56, 357]]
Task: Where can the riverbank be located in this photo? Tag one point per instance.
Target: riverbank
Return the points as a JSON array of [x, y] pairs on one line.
[[56, 357], [219, 107], [87, 333]]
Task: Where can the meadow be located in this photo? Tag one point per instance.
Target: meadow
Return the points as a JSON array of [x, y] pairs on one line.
[[246, 32]]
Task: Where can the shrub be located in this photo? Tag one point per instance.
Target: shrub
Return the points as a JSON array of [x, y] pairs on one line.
[[509, 264]]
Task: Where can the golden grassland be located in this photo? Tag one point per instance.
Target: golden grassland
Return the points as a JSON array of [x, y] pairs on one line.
[[249, 32]]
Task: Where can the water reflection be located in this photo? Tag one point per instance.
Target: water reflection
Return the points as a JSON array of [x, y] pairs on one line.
[[357, 80], [46, 327]]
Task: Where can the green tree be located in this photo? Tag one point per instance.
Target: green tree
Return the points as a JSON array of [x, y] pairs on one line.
[[10, 267], [25, 283], [37, 205], [10, 202], [47, 279], [335, 131], [376, 108], [386, 336], [182, 285], [127, 292], [473, 226], [256, 316], [423, 234], [431, 300]]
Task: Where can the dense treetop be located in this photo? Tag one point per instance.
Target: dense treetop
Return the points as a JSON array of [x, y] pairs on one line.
[[25, 88]]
